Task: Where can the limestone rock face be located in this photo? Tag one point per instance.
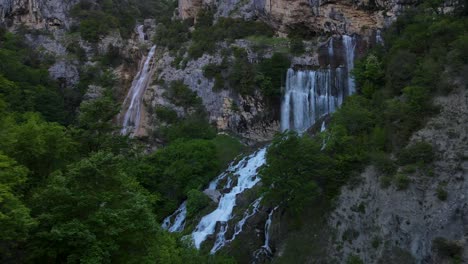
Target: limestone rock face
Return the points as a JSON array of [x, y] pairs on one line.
[[37, 14], [408, 221], [246, 116], [317, 17]]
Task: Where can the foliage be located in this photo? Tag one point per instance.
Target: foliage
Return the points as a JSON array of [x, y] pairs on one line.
[[196, 201], [15, 216], [296, 46], [447, 248], [353, 259], [166, 114], [295, 182], [206, 34], [24, 81], [401, 181], [441, 193], [100, 17], [419, 152], [181, 95]]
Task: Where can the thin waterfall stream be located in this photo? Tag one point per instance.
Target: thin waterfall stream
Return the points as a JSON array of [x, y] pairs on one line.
[[131, 112]]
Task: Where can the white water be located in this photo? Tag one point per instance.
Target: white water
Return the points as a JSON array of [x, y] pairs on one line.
[[265, 250], [330, 48], [179, 219], [246, 172], [221, 238], [267, 230], [378, 37], [141, 33], [310, 95], [133, 102], [349, 47]]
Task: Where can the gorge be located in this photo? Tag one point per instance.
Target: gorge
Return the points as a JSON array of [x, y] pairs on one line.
[[224, 132]]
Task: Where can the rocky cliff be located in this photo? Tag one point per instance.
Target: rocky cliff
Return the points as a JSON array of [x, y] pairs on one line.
[[312, 17]]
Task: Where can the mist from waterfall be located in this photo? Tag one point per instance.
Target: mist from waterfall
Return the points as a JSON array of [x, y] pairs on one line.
[[131, 111]]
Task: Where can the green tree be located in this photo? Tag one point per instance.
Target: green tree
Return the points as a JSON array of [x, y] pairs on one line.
[[94, 212], [292, 181]]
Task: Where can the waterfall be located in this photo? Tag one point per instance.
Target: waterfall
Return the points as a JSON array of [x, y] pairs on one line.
[[378, 37], [221, 238], [349, 46], [179, 219], [246, 172], [330, 48], [265, 250], [310, 95], [141, 33], [131, 110]]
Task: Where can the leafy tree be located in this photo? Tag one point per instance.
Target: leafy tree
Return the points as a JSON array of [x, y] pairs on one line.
[[295, 182], [94, 212], [40, 146], [15, 217], [178, 168]]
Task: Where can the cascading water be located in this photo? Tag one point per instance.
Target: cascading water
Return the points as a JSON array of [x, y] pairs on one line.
[[246, 172], [312, 94], [179, 219], [133, 102], [221, 238], [309, 95], [378, 37], [141, 33], [349, 46], [265, 250]]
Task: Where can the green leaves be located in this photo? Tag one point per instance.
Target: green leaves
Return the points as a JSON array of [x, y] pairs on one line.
[[297, 171], [94, 211]]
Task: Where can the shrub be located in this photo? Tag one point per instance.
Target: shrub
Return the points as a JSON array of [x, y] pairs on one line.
[[181, 95], [383, 163], [166, 114], [353, 259], [196, 201], [296, 46], [441, 193], [385, 181], [419, 152], [402, 181], [447, 248]]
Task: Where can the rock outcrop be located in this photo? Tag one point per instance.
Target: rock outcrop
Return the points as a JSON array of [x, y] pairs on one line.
[[312, 17], [390, 222], [37, 14]]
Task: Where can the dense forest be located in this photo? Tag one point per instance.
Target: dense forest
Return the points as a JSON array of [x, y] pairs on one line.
[[73, 190]]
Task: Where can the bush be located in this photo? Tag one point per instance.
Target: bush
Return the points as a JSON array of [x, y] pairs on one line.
[[383, 163], [447, 248], [166, 114], [402, 181], [353, 259], [196, 201], [296, 46], [181, 95], [420, 152], [441, 193], [385, 181]]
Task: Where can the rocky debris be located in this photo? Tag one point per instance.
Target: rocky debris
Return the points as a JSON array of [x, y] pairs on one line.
[[408, 221]]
